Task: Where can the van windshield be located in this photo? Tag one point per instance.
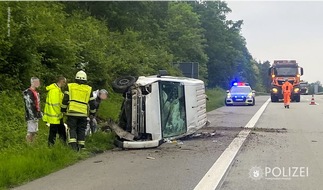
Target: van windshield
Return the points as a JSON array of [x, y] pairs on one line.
[[172, 105]]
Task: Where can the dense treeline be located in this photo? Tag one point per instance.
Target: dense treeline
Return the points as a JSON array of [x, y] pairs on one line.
[[47, 39], [311, 87]]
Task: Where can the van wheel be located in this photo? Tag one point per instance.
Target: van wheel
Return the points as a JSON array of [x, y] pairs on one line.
[[122, 84]]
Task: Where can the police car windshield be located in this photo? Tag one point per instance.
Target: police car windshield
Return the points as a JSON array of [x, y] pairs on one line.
[[240, 89]]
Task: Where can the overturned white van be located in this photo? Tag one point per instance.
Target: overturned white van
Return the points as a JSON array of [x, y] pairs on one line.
[[157, 108]]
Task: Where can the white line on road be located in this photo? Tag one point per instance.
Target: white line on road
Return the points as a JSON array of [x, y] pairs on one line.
[[213, 178]]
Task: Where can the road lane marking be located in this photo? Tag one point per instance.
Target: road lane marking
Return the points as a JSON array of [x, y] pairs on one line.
[[213, 178]]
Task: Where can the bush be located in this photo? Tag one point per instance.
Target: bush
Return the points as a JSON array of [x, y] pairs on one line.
[[12, 119]]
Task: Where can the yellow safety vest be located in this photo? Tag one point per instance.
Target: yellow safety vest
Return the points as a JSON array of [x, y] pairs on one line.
[[52, 111], [79, 97]]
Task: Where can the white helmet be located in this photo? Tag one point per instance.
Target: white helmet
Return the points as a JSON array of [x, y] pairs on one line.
[[81, 75]]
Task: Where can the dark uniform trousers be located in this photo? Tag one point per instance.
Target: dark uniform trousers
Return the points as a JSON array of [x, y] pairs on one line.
[[77, 126], [55, 129]]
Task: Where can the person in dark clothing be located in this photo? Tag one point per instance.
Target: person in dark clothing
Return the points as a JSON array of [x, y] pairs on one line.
[[32, 109], [98, 96]]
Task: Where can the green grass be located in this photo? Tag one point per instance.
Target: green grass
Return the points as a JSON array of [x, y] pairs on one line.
[[26, 162], [100, 141], [33, 161], [216, 98], [21, 162], [110, 108]]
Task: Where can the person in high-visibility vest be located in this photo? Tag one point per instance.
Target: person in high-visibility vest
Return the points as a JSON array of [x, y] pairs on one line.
[[287, 90], [76, 106], [52, 112]]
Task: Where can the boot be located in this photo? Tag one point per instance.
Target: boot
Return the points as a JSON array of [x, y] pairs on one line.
[[80, 147], [73, 146]]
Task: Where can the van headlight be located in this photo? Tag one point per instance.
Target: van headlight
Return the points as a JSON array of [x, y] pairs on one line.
[[275, 90], [296, 90]]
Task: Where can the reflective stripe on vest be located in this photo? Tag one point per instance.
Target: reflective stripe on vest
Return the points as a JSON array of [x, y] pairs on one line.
[[79, 96]]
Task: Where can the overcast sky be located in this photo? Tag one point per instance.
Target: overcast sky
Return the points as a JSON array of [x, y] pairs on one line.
[[283, 30]]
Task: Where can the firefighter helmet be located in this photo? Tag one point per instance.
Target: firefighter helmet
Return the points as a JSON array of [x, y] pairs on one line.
[[81, 75]]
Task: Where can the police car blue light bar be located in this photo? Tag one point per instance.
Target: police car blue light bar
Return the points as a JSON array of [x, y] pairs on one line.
[[240, 84]]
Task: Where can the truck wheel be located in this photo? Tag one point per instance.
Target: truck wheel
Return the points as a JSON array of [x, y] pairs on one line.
[[122, 84], [274, 99], [297, 98]]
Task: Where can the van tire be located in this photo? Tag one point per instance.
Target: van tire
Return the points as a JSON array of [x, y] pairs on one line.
[[122, 84]]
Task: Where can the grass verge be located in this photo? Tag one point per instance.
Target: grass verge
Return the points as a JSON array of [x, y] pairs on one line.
[[27, 162], [216, 98], [21, 162]]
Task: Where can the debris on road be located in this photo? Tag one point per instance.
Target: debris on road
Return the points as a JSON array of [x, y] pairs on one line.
[[173, 141], [150, 158], [197, 135], [204, 134], [270, 130]]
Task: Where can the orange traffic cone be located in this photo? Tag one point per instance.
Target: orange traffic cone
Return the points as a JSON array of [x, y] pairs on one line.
[[312, 101]]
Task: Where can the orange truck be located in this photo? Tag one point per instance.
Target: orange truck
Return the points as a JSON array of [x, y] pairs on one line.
[[279, 72]]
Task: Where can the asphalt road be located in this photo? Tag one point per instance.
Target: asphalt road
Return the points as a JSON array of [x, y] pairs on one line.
[[286, 150], [182, 165]]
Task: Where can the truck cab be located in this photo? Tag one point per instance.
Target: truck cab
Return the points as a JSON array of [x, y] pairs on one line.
[[159, 108], [279, 72], [304, 87]]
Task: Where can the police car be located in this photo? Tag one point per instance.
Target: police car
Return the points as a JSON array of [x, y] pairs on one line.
[[240, 94]]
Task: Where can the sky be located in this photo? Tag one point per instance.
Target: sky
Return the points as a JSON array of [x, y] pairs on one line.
[[283, 30]]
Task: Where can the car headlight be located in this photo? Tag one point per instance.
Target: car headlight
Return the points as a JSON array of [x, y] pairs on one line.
[[296, 90], [250, 95], [275, 90], [228, 95]]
